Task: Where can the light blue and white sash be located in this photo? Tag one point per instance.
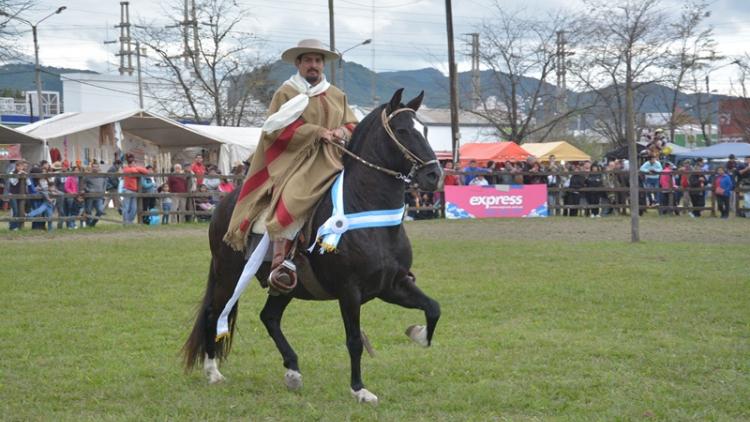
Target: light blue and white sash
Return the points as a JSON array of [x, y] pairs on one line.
[[329, 234]]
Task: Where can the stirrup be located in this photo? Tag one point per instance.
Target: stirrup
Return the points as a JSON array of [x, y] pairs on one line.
[[283, 278]]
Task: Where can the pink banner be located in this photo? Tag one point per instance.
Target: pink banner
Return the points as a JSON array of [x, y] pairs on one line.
[[495, 201]]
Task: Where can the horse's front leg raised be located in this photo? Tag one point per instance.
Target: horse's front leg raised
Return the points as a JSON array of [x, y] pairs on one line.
[[350, 309], [406, 293], [271, 317]]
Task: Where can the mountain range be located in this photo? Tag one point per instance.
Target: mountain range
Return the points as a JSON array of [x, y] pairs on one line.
[[357, 82]]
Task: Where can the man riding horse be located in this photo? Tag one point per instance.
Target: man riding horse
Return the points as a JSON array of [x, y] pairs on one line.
[[295, 162]]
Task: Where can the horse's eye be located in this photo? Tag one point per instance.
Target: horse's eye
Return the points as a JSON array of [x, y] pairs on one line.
[[402, 131]]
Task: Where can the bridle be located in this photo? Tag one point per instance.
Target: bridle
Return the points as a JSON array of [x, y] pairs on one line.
[[416, 162]]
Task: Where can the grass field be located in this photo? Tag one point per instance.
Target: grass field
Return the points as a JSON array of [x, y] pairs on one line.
[[554, 319]]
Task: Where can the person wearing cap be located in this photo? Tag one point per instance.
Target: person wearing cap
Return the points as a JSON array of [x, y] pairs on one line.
[[295, 162]]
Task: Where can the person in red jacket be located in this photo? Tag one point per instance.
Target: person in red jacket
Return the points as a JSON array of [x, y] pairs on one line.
[[130, 186], [198, 169]]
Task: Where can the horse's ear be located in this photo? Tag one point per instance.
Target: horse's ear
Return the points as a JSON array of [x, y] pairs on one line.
[[416, 102], [395, 102]]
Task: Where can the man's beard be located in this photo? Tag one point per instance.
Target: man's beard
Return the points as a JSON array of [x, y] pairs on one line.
[[312, 78]]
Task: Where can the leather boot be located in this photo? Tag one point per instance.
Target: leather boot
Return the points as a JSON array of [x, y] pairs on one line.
[[283, 277]]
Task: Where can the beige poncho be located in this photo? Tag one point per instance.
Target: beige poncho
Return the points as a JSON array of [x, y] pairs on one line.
[[291, 168]]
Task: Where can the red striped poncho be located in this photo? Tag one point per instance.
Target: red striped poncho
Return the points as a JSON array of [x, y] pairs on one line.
[[291, 169]]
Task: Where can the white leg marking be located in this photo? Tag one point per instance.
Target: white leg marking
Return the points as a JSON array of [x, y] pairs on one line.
[[211, 370], [293, 380], [418, 333], [364, 396]]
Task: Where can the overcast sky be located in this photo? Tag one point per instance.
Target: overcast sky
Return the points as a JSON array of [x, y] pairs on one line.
[[407, 34]]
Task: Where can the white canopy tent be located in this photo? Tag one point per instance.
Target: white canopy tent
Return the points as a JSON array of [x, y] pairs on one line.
[[238, 143], [87, 136], [32, 148]]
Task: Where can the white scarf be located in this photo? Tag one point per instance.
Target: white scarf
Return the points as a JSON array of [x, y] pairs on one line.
[[292, 109]]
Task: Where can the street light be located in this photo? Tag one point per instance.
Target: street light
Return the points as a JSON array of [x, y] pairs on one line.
[[341, 58], [37, 69]]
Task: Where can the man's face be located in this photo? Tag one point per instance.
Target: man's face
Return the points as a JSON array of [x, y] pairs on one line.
[[95, 167], [198, 158], [310, 66], [552, 159]]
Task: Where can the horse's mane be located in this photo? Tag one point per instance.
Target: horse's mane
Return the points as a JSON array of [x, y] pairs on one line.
[[364, 128]]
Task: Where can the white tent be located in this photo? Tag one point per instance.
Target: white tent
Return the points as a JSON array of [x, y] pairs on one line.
[[32, 148], [97, 135], [238, 143]]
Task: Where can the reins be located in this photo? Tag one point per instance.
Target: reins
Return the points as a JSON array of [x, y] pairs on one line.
[[417, 163]]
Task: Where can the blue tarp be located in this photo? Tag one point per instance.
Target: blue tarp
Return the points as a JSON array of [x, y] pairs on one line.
[[719, 151]]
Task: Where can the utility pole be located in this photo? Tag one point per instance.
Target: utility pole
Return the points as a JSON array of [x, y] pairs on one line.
[[140, 80], [374, 78], [125, 45], [453, 81], [38, 76], [194, 24], [138, 70], [332, 39], [710, 112], [476, 83], [185, 45], [560, 70], [632, 154]]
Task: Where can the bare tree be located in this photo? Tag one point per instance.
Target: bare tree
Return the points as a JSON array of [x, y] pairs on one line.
[[208, 70], [622, 51], [9, 29], [520, 53], [694, 50]]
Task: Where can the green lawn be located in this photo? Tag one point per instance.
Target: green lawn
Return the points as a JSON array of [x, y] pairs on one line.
[[542, 320]]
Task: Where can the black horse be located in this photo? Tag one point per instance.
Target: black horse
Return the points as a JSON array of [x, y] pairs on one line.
[[386, 149]]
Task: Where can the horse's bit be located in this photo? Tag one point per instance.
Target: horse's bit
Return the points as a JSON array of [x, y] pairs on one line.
[[416, 162]]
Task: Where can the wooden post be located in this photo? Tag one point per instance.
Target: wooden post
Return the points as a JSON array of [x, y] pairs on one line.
[[22, 203], [139, 204]]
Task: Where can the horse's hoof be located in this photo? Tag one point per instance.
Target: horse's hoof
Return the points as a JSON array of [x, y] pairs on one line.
[[216, 378], [364, 396], [211, 370], [293, 380], [418, 334]]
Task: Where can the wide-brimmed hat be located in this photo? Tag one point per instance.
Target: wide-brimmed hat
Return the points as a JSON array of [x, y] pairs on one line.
[[308, 46], [56, 166]]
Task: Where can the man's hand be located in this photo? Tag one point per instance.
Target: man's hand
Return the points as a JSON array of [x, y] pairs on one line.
[[341, 133], [325, 134]]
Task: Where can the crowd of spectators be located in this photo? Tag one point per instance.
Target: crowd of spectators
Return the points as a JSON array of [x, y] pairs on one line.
[[668, 188], [82, 200]]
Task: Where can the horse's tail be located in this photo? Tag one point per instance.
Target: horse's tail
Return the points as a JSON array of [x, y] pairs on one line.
[[201, 339]]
